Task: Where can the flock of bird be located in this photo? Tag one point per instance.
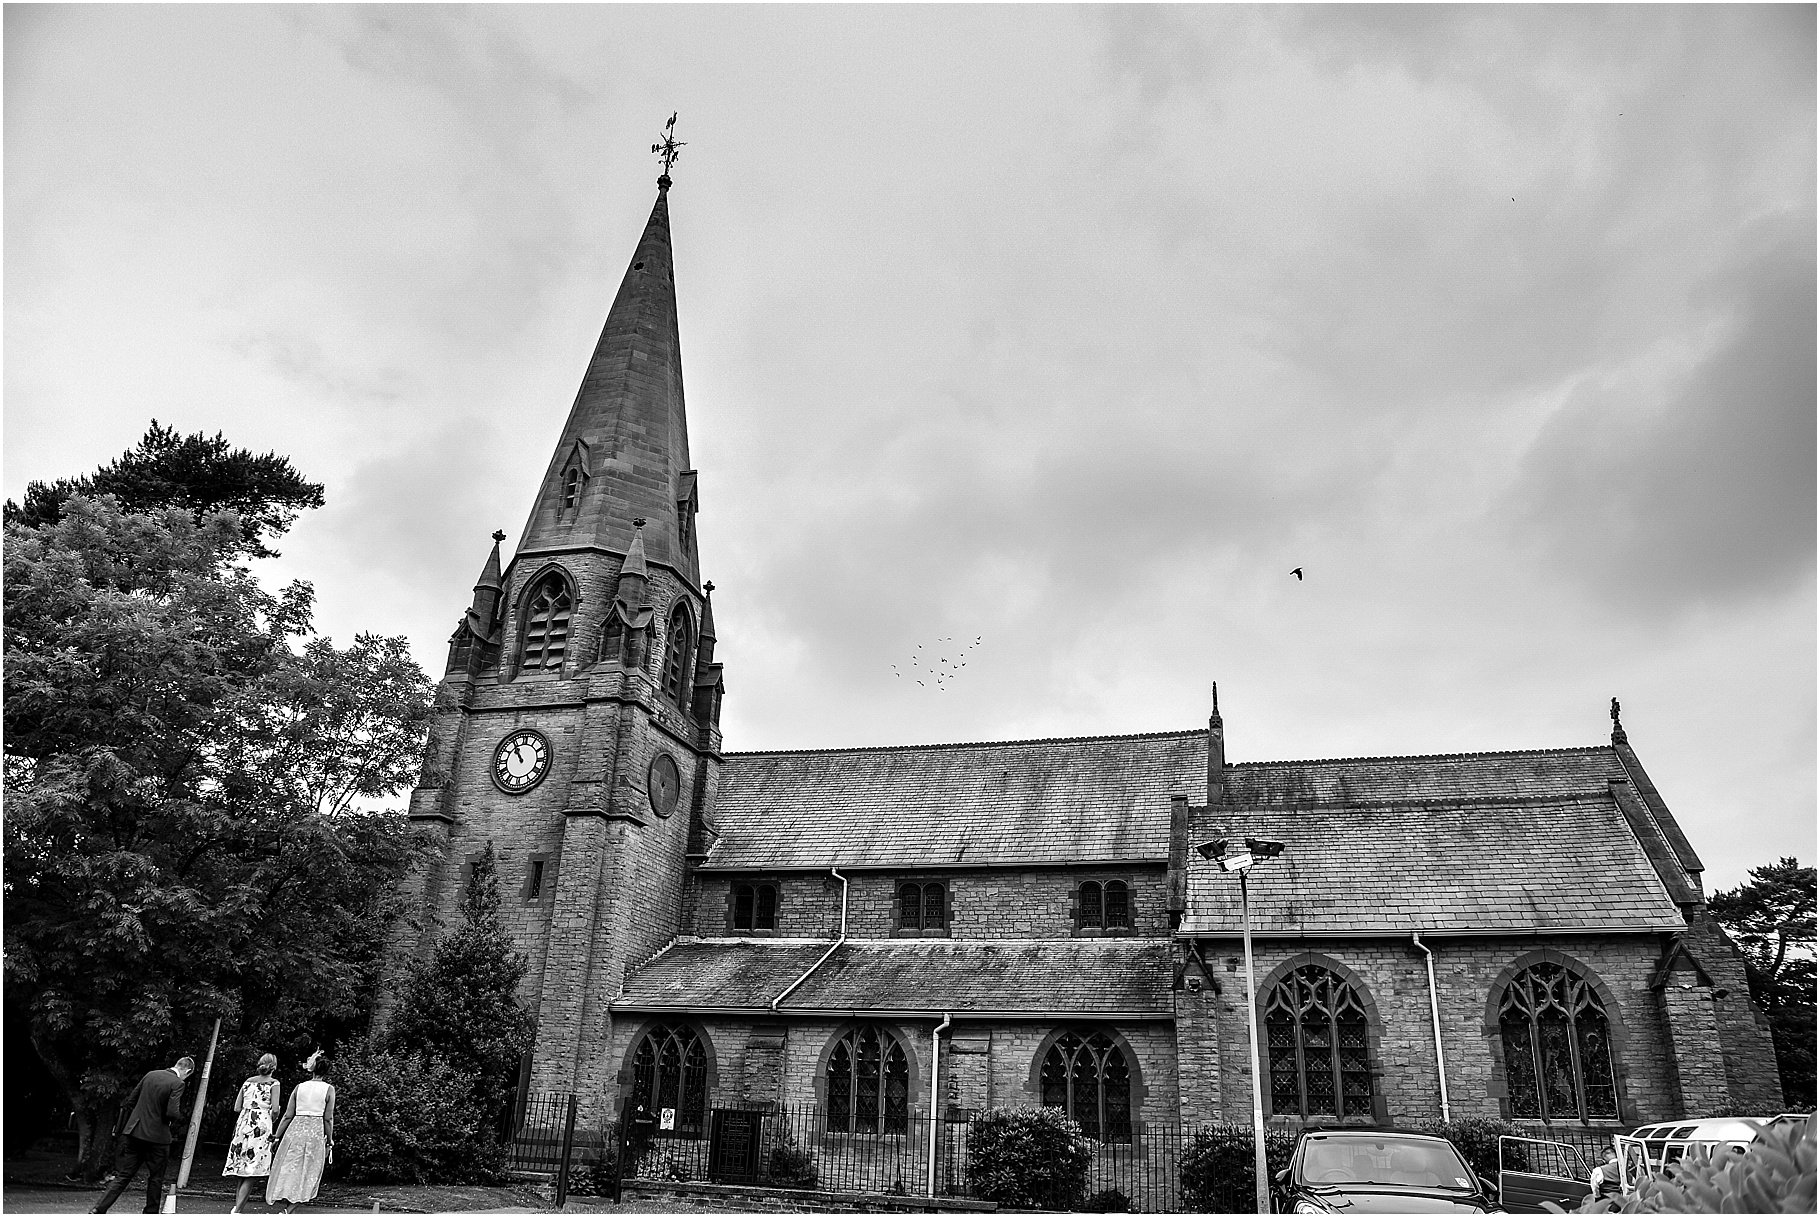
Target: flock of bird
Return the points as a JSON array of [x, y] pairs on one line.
[[933, 671]]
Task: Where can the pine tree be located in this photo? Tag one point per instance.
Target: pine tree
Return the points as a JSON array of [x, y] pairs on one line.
[[462, 1004]]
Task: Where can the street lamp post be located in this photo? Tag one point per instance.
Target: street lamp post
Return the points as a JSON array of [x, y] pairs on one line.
[[1230, 856]]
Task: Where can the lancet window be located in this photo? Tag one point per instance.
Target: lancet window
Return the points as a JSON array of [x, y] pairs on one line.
[[1318, 1037], [678, 652], [1557, 1046], [868, 1083], [1089, 1078], [546, 632], [670, 1069]]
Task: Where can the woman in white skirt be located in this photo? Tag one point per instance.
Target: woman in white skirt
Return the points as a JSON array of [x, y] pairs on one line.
[[250, 1153], [306, 1138]]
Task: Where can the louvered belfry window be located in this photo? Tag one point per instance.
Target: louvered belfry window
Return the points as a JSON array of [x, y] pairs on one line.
[[547, 622], [670, 1069], [571, 489], [1557, 1046], [1318, 1037], [677, 656], [868, 1084], [1087, 1076]]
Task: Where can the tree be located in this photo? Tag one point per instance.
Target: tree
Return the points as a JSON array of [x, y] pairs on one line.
[[179, 840], [1771, 918], [198, 473], [462, 1002]]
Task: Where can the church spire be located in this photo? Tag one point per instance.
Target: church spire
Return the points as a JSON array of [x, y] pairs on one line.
[[624, 451]]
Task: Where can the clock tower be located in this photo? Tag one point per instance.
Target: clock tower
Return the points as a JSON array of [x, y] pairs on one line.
[[577, 724]]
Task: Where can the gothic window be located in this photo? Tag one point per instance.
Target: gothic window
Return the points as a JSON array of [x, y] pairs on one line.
[[1104, 906], [1557, 1046], [868, 1083], [755, 906], [1087, 1076], [547, 622], [571, 489], [1317, 1033], [677, 654], [670, 1069], [922, 906]]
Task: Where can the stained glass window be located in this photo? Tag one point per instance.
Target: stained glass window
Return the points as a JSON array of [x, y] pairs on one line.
[[1317, 1036], [868, 1084], [1557, 1047], [670, 1069], [1088, 1077]]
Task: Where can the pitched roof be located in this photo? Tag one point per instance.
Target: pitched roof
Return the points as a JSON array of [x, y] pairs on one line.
[[1103, 799], [1365, 781], [1504, 867], [1124, 976]]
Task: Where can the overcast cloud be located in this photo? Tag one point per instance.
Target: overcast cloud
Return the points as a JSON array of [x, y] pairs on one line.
[[1072, 329]]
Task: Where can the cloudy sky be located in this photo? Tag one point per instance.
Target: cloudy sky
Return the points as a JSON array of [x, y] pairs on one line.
[[1071, 329]]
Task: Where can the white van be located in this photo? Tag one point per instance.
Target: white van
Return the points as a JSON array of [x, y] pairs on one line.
[[1654, 1146]]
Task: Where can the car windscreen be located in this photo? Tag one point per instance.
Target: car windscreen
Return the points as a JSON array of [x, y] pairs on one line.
[[1401, 1162]]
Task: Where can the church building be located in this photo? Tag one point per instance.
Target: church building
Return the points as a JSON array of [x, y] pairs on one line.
[[885, 932]]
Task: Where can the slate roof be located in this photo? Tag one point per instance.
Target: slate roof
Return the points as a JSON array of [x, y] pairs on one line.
[[1124, 976], [1571, 865], [1054, 801], [1364, 781]]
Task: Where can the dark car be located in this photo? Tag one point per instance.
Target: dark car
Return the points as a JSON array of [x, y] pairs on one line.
[[1370, 1170]]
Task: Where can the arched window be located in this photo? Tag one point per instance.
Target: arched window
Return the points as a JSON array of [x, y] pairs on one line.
[[670, 1069], [547, 622], [677, 655], [755, 906], [922, 906], [868, 1083], [1088, 1078], [1105, 906], [1557, 1046], [571, 488], [1317, 1031]]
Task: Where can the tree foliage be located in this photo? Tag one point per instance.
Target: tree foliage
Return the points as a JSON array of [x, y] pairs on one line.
[[178, 779], [1775, 1174], [197, 473], [1028, 1157], [1771, 918], [461, 1003], [411, 1117]]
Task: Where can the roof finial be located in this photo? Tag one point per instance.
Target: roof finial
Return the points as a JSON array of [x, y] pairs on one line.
[[1617, 728], [667, 149], [500, 535]]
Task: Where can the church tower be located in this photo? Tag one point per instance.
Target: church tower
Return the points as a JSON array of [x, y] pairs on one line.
[[577, 727]]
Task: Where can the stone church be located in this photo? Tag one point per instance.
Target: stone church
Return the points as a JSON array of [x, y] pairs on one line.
[[883, 932]]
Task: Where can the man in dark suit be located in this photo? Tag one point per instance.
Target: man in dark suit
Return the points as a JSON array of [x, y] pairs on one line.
[[151, 1109]]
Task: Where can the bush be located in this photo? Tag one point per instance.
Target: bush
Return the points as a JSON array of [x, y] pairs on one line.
[[791, 1166], [1476, 1137], [1775, 1175], [1028, 1157], [1219, 1169], [411, 1118], [1110, 1200]]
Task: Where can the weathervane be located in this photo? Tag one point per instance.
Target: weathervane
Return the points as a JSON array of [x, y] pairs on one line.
[[668, 149]]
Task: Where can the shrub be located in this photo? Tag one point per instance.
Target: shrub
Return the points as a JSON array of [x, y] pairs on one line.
[[1109, 1200], [1219, 1171], [1775, 1175], [791, 1166], [1476, 1137], [1028, 1157], [411, 1118]]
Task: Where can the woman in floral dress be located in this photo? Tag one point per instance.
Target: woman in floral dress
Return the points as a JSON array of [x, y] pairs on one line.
[[306, 1138], [250, 1153]]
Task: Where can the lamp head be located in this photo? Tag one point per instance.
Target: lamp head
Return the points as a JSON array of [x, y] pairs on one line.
[[1263, 847], [1211, 849]]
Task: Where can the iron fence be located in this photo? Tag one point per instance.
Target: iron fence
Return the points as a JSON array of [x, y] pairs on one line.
[[539, 1122]]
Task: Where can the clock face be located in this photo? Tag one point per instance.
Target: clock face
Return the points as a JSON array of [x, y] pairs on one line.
[[662, 784], [521, 761]]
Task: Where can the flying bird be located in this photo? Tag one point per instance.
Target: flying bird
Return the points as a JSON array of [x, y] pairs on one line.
[[1297, 572]]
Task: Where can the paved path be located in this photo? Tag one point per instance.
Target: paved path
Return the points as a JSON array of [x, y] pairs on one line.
[[77, 1200]]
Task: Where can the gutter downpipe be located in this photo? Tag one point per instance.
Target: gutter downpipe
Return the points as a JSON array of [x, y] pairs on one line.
[[1434, 1011], [835, 871], [935, 1077]]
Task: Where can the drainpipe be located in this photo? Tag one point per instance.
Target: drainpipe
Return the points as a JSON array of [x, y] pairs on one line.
[[935, 1077], [1434, 1011], [835, 871]]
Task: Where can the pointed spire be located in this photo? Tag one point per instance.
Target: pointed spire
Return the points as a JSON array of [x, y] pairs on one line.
[[1216, 752], [488, 587], [634, 575], [707, 616]]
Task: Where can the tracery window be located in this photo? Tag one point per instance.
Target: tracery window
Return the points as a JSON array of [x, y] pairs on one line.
[[868, 1083], [677, 654], [670, 1069], [922, 906], [1557, 1046], [1088, 1077], [547, 622], [1318, 1034], [1105, 906], [755, 906]]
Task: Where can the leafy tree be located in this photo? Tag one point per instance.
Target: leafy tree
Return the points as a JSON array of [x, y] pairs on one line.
[[1771, 918], [178, 839], [462, 1002], [198, 473], [411, 1117]]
